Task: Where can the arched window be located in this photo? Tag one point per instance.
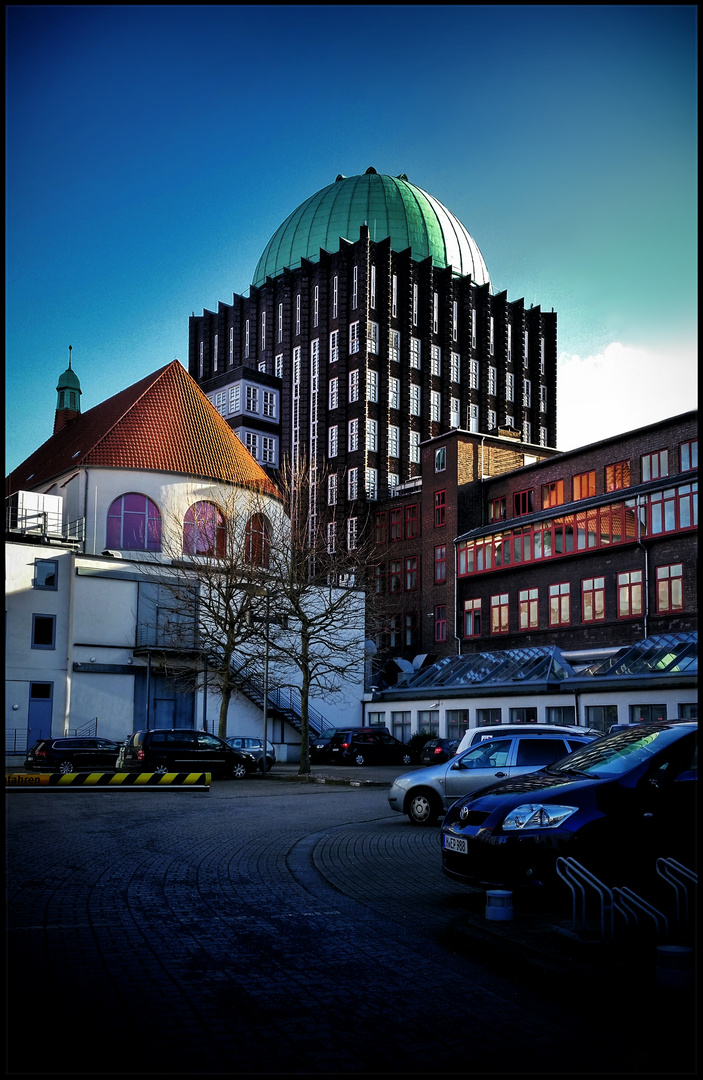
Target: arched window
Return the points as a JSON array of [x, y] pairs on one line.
[[204, 531], [257, 541], [134, 524]]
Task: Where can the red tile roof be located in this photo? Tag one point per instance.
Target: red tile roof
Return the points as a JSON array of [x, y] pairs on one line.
[[162, 423]]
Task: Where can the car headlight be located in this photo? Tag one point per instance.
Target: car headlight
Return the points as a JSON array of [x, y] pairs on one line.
[[537, 816]]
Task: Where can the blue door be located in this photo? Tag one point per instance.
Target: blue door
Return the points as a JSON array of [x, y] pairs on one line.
[[40, 710]]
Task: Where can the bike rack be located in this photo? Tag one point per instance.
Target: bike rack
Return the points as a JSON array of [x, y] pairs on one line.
[[630, 901], [679, 877], [577, 877]]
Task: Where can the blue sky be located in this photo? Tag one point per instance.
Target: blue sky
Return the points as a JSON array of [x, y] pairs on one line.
[[152, 151]]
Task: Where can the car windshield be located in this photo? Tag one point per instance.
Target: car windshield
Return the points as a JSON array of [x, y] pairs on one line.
[[328, 733], [617, 754]]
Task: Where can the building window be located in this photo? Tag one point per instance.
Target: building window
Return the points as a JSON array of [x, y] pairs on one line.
[[673, 508], [372, 337], [440, 563], [316, 305], [492, 420], [552, 494], [393, 481], [201, 359], [435, 313], [454, 412], [527, 348], [297, 315], [231, 346], [415, 447], [411, 573], [472, 618], [134, 524], [524, 502], [43, 631], [396, 521], [372, 435], [457, 722], [394, 296], [415, 345], [354, 337], [509, 387], [215, 352], [278, 366], [527, 394], [455, 321], [542, 436], [412, 525], [335, 296], [400, 723], [46, 574], [435, 406], [435, 360], [655, 465], [646, 714], [510, 342], [560, 604], [269, 404], [440, 508], [334, 346], [381, 527], [499, 613], [455, 367], [473, 417], [488, 717], [261, 366], [523, 715], [372, 300], [354, 385], [440, 459], [394, 393], [372, 483], [473, 374], [543, 399], [593, 599], [352, 483], [528, 604], [601, 717], [393, 441], [496, 509], [352, 533], [584, 485], [415, 304], [564, 715], [332, 489], [541, 356], [509, 420], [491, 337], [204, 531], [372, 385], [333, 393], [263, 330], [252, 443], [688, 454], [670, 588], [235, 399], [440, 622], [333, 440], [353, 435], [395, 576], [257, 541], [246, 339], [252, 405], [279, 324], [617, 476], [394, 346], [268, 450], [331, 537], [414, 399], [630, 594]]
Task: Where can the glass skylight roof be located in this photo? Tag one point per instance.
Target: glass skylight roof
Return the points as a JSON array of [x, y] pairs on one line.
[[662, 653]]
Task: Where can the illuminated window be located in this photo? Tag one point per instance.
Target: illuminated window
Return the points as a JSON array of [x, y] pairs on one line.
[[584, 485], [593, 599], [472, 618], [617, 476], [630, 594], [552, 494], [528, 604], [499, 613], [496, 509], [670, 588], [560, 604]]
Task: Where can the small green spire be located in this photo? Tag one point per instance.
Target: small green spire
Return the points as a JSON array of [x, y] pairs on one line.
[[68, 389]]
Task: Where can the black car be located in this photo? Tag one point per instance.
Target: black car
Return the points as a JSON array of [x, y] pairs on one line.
[[437, 751], [364, 746], [163, 750], [615, 806], [73, 754], [254, 746]]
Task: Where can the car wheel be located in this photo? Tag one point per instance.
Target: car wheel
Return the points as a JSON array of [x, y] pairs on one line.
[[422, 809], [406, 759], [66, 767], [359, 759], [160, 770], [239, 771]]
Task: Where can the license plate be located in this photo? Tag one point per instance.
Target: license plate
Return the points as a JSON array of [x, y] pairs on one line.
[[456, 843]]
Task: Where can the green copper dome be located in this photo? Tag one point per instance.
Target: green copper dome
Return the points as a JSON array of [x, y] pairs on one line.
[[390, 206]]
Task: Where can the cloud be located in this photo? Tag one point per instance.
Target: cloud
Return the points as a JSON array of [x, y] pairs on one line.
[[622, 388]]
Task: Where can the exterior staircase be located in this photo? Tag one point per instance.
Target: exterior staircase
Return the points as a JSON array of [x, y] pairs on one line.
[[282, 703]]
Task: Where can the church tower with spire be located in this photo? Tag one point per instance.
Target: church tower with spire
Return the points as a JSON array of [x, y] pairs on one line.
[[68, 400]]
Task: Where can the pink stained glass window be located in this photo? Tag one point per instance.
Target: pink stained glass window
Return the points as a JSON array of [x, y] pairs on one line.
[[134, 524], [204, 531]]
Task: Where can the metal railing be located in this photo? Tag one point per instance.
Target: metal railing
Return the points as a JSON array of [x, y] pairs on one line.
[[285, 701]]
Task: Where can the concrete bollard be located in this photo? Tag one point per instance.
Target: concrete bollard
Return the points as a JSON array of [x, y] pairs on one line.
[[499, 905]]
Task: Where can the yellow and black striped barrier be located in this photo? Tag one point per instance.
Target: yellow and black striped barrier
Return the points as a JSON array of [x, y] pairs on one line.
[[115, 781]]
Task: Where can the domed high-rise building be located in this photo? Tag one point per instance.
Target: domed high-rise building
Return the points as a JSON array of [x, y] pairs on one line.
[[370, 328]]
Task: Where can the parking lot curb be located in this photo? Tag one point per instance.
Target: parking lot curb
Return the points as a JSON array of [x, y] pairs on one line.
[[115, 781]]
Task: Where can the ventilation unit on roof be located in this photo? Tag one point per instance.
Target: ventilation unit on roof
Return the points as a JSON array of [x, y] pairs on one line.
[[34, 513]]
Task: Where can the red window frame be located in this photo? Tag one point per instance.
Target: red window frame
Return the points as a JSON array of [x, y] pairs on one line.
[[528, 609], [654, 466], [440, 508], [472, 618], [630, 584], [411, 522], [552, 494], [440, 622], [669, 588], [500, 614], [497, 509], [592, 599], [396, 525], [584, 485], [395, 576], [560, 604], [688, 455], [524, 501], [440, 563], [381, 527], [411, 580], [617, 476]]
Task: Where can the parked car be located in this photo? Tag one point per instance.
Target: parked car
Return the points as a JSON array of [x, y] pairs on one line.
[[319, 744], [437, 751], [615, 805], [425, 793], [363, 746], [72, 754], [480, 734], [255, 747], [163, 750]]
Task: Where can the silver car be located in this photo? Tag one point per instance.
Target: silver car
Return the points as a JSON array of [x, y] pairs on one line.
[[426, 793]]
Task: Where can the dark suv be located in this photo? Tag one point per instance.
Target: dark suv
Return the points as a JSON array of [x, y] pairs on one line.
[[364, 746], [163, 750], [72, 754]]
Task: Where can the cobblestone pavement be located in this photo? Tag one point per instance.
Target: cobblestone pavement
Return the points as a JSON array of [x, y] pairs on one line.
[[272, 928]]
